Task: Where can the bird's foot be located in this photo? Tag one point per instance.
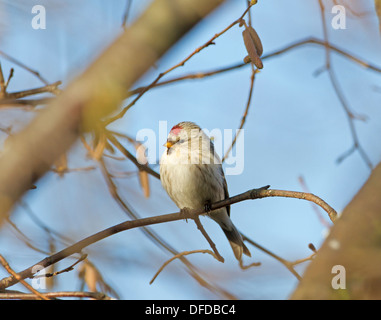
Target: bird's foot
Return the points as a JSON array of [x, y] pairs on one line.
[[185, 212], [208, 206]]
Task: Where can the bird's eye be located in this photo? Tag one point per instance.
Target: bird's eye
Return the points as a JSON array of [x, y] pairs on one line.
[[176, 140]]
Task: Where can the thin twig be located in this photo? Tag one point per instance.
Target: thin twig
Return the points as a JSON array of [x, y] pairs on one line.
[[301, 195], [53, 88], [22, 65], [326, 44], [243, 119], [53, 295], [179, 255], [22, 237], [314, 207], [126, 13], [22, 281], [309, 258], [129, 156], [286, 263], [68, 269], [250, 265], [24, 102], [2, 83], [68, 170], [340, 94], [206, 236], [11, 72], [191, 76]]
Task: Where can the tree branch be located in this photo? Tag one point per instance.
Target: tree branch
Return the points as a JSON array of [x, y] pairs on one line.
[[6, 266], [14, 295], [187, 214], [179, 255]]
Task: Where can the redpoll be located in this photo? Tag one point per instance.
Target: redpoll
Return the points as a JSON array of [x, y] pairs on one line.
[[193, 177]]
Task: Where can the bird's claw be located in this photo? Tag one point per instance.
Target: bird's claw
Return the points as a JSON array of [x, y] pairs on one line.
[[185, 211], [208, 207]]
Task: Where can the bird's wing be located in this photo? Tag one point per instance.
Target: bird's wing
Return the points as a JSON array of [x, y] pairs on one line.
[[226, 192]]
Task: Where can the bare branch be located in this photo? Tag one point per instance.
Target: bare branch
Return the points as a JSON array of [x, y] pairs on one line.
[[53, 88], [326, 44], [340, 94], [243, 119], [67, 269], [25, 67], [288, 264], [314, 207], [126, 13], [181, 254], [129, 156], [53, 295], [188, 214], [206, 236], [18, 278], [2, 83]]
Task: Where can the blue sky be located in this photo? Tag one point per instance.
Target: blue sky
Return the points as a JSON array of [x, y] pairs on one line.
[[295, 127]]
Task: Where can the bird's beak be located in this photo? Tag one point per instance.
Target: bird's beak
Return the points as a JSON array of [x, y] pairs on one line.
[[168, 144]]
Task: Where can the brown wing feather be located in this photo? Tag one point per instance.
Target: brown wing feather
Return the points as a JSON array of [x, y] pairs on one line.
[[225, 191]]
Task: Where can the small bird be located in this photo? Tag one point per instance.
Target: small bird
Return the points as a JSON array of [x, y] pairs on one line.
[[191, 173]]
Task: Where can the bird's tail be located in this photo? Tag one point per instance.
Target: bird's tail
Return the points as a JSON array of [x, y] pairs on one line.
[[235, 241]]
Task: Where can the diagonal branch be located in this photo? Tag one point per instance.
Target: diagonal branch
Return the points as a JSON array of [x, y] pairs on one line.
[[16, 276], [53, 88], [243, 119], [179, 255]]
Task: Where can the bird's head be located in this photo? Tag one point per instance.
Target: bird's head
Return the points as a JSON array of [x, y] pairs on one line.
[[182, 132]]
